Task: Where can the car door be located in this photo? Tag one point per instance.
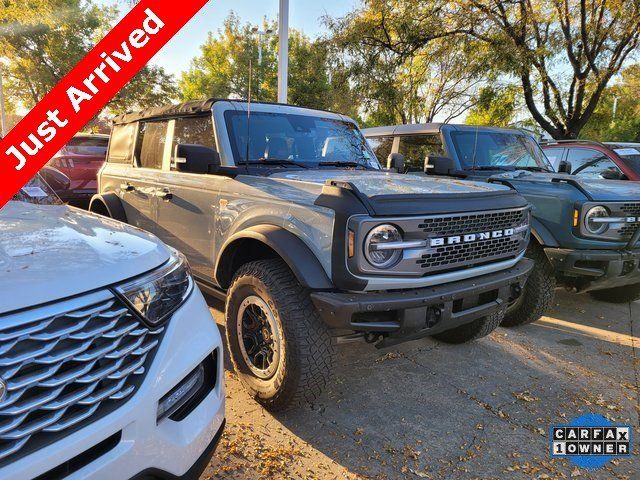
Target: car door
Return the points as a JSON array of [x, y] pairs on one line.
[[555, 156], [416, 149], [187, 216], [590, 163], [382, 147], [138, 191]]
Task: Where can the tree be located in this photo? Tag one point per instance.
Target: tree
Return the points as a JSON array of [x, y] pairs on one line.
[[494, 106], [397, 79], [222, 69], [625, 125], [564, 52], [45, 39]]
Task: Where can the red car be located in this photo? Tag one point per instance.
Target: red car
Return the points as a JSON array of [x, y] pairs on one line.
[[80, 160], [610, 160]]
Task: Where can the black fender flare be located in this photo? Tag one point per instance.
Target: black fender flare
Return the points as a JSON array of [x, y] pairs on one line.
[[112, 203], [295, 253], [542, 234]]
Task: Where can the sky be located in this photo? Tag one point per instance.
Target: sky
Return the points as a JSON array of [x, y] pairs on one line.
[[304, 15]]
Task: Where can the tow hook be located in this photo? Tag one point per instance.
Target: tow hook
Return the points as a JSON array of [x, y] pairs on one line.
[[372, 337]]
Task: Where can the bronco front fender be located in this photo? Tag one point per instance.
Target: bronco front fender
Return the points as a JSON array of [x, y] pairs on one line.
[[295, 253], [542, 234]]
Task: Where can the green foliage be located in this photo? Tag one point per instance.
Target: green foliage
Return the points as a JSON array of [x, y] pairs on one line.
[[402, 63], [626, 125], [222, 69], [44, 39], [495, 106]]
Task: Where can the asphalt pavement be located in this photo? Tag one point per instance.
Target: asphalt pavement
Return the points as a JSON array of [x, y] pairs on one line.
[[425, 409]]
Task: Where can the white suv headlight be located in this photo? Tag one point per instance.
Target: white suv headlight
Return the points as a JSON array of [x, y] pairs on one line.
[[380, 246], [158, 294]]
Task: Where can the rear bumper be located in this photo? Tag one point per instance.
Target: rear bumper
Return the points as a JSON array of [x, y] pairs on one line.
[[409, 314], [597, 269]]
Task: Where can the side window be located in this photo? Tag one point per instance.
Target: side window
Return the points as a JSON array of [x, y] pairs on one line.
[[554, 155], [381, 146], [121, 143], [195, 131], [416, 148], [150, 144], [588, 162]]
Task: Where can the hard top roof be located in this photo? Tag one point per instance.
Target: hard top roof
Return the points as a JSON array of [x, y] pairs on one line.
[[196, 107], [422, 128]]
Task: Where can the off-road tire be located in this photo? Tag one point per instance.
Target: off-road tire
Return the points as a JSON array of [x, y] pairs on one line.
[[538, 294], [625, 294], [309, 349], [472, 331]]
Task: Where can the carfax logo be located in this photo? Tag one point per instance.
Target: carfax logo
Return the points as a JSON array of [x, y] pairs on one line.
[[591, 441]]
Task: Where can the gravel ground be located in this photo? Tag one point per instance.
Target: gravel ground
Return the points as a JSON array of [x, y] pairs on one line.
[[429, 410]]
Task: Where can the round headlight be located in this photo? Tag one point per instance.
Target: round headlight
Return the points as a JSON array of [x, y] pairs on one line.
[[375, 251], [590, 220]]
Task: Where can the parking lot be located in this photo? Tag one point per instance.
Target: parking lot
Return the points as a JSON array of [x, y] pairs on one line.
[[429, 410]]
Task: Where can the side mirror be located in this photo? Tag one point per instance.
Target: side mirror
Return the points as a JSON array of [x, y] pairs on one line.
[[565, 167], [57, 180], [439, 165], [611, 174], [396, 161], [195, 158]]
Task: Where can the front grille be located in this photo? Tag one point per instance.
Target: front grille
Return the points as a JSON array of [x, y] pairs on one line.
[[474, 223], [67, 365], [629, 210], [476, 253]]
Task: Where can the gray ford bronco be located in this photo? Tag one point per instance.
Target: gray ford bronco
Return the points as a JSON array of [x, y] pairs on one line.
[[286, 214]]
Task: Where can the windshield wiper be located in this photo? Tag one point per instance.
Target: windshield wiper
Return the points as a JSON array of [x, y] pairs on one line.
[[342, 164], [273, 161], [535, 169], [490, 167]]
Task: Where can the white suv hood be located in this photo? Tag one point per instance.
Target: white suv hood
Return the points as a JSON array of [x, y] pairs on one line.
[[48, 253]]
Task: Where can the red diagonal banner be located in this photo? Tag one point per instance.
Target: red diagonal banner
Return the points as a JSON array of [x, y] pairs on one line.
[[84, 91]]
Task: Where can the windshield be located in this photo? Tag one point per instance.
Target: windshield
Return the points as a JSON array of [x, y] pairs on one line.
[[498, 149], [37, 191], [95, 146], [631, 154], [299, 139]]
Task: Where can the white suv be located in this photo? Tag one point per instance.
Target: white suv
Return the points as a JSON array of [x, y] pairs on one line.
[[110, 362]]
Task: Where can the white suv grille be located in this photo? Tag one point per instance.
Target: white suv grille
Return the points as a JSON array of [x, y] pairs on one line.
[[66, 365]]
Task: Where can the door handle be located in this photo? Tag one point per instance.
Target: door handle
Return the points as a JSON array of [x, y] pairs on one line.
[[127, 187], [164, 194]]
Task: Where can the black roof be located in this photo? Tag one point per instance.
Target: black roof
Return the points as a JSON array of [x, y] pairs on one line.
[[193, 107]]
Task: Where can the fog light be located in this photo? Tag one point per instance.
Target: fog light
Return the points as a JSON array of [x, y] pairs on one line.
[[181, 394]]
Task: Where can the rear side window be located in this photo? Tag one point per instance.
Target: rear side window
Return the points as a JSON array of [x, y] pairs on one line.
[[150, 144], [381, 146], [588, 162], [416, 148], [121, 143]]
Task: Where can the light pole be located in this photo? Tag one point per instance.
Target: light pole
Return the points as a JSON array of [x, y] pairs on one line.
[[261, 34], [283, 51], [3, 117]]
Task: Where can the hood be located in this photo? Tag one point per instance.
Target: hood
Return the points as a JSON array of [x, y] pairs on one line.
[[378, 183], [51, 252], [594, 189]]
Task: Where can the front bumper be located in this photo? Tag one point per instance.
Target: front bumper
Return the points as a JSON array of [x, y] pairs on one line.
[[596, 269], [167, 449], [410, 314]]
